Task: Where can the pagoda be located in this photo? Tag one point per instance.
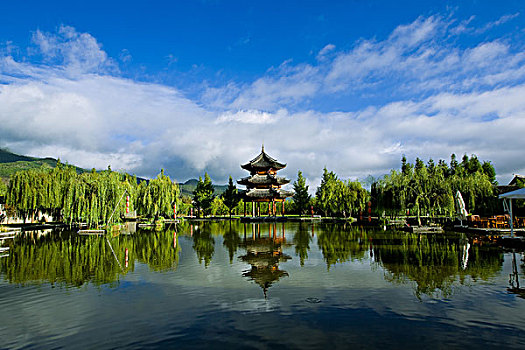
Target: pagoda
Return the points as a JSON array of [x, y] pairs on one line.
[[264, 254], [263, 185]]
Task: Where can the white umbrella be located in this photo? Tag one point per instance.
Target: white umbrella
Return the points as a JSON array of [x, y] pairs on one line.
[[460, 208]]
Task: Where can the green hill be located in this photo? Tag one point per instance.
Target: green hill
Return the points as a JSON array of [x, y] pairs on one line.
[[8, 157], [11, 163], [187, 188]]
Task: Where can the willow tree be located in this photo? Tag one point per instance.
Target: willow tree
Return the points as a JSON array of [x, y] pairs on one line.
[[3, 188], [96, 197], [325, 194], [430, 189], [157, 198], [336, 197], [39, 190], [89, 197]]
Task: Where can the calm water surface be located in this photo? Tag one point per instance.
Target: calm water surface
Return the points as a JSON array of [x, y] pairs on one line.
[[260, 286]]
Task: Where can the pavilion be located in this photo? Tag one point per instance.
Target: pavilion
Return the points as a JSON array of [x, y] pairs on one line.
[[263, 184]]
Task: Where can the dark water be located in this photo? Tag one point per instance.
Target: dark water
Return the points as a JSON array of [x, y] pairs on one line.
[[260, 286]]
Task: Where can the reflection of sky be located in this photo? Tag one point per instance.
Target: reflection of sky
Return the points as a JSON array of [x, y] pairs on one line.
[[194, 304]]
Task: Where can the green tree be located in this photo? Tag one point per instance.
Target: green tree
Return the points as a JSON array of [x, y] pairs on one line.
[[158, 197], [301, 197], [203, 195], [231, 197], [3, 188], [489, 170], [218, 207], [325, 194], [430, 190]]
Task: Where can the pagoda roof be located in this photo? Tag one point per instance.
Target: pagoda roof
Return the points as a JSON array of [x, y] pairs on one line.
[[263, 162], [266, 179], [265, 259], [256, 193]]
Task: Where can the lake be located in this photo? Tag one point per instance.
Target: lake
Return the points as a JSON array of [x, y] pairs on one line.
[[260, 286]]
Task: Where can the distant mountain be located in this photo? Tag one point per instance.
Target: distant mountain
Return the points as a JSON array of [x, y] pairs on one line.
[[11, 163], [8, 157], [187, 188]]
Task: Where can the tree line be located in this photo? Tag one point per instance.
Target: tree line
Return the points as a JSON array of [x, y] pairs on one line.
[[416, 189], [429, 189], [92, 197], [334, 197], [419, 189]]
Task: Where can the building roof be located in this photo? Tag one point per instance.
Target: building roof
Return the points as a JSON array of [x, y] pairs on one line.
[[262, 193], [266, 179], [515, 179], [262, 162], [518, 194]]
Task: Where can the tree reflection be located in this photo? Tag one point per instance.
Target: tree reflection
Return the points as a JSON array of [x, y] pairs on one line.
[[203, 244], [232, 240], [436, 263], [68, 258], [301, 240], [340, 244]]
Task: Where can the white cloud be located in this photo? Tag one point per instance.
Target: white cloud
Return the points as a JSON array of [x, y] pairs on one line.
[[503, 19], [416, 59], [324, 51], [79, 52], [74, 105]]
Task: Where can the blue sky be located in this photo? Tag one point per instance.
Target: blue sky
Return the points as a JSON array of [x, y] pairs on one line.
[[194, 86]]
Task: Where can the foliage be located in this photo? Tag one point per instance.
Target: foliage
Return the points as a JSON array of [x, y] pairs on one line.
[[301, 240], [90, 197], [203, 195], [326, 192], [230, 197], [232, 240], [433, 262], [339, 244], [64, 257], [335, 197], [158, 197], [301, 197], [11, 163], [429, 189], [204, 244], [218, 208], [3, 188]]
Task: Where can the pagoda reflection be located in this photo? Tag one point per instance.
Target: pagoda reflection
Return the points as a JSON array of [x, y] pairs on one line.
[[264, 252]]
